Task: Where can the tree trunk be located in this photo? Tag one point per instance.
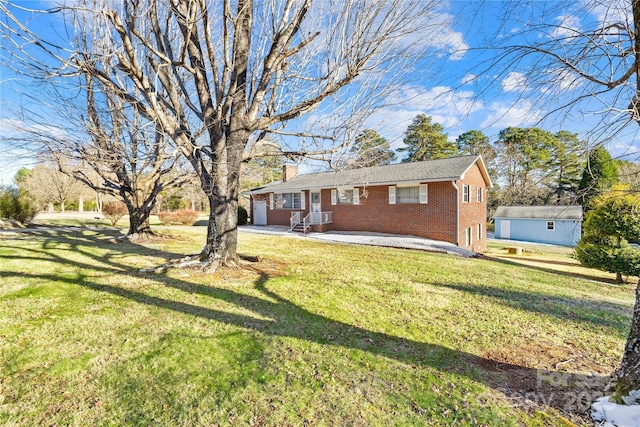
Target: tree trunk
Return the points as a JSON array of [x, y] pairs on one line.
[[222, 234], [627, 379], [222, 230], [139, 221]]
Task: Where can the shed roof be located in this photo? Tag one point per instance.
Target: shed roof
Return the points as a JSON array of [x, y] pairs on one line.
[[452, 168], [539, 212]]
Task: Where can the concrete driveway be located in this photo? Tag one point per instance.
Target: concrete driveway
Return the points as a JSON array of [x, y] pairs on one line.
[[364, 238]]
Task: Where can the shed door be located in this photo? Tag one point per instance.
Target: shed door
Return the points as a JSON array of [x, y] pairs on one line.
[[505, 229], [260, 212]]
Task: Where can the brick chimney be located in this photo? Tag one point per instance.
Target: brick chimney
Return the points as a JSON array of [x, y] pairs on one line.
[[289, 171]]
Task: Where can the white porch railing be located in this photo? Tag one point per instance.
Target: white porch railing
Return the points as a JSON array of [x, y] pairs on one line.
[[319, 217], [312, 218], [294, 220]]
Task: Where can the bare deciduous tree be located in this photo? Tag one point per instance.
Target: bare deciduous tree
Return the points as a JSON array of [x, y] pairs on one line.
[[131, 157], [49, 185], [216, 76]]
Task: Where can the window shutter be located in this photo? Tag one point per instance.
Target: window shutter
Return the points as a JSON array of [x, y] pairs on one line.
[[392, 195], [424, 195], [302, 201], [271, 201], [356, 196], [334, 197]]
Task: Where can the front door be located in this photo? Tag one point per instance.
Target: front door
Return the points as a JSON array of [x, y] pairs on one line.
[[315, 202]]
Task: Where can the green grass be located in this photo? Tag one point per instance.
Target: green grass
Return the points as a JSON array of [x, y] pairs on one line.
[[315, 333]]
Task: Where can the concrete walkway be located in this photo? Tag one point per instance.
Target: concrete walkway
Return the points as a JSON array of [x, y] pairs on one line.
[[365, 238]]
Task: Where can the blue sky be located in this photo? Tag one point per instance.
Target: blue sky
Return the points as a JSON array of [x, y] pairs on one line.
[[456, 87]]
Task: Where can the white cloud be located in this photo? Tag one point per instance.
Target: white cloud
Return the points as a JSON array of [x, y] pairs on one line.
[[514, 81], [501, 115], [446, 106], [20, 130], [568, 26], [563, 80], [440, 35], [455, 43], [468, 78], [610, 11]]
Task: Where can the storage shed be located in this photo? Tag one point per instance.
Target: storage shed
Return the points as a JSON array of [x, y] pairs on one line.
[[557, 225]]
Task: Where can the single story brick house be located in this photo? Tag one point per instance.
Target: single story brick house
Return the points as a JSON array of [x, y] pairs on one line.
[[558, 225], [441, 199]]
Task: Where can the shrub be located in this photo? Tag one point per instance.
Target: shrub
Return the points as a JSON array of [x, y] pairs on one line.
[[242, 215], [176, 202], [113, 211], [16, 205], [180, 217]]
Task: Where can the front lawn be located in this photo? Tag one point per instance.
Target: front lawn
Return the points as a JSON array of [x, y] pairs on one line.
[[313, 334]]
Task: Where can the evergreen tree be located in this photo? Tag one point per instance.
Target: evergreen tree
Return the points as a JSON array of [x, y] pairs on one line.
[[425, 141], [524, 155], [613, 221], [476, 143], [600, 173], [565, 166], [370, 149]]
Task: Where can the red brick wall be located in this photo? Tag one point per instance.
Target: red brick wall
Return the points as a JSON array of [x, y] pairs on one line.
[[434, 220], [473, 213]]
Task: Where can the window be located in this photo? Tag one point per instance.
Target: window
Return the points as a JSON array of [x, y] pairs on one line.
[[288, 201], [408, 194], [479, 231], [479, 194], [465, 193], [315, 197], [551, 225], [345, 197]]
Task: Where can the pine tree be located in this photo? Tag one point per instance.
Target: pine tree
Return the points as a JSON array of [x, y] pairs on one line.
[[425, 141], [370, 149], [600, 173]]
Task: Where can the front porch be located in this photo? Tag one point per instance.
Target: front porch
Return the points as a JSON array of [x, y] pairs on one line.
[[318, 222]]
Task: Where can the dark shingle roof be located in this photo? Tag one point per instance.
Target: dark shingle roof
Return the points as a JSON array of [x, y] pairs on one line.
[[539, 212], [428, 171]]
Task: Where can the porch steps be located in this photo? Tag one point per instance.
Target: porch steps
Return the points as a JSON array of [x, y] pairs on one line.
[[299, 228]]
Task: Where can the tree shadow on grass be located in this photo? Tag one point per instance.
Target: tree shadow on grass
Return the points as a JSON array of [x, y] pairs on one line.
[[275, 315], [581, 276], [575, 309]]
